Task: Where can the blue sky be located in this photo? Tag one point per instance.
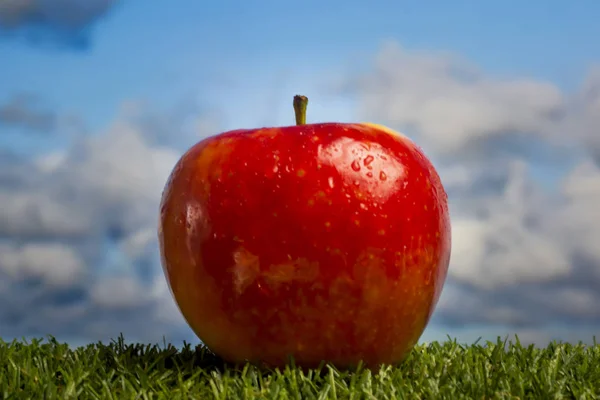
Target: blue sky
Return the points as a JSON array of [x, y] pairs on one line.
[[99, 99]]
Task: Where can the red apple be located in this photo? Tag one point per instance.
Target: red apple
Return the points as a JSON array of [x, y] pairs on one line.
[[326, 241]]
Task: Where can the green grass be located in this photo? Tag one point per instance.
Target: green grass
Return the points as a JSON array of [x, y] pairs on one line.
[[48, 369]]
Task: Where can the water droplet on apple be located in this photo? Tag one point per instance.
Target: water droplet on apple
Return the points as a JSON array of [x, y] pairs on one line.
[[356, 183], [368, 160], [370, 174], [355, 165], [382, 176], [330, 182], [363, 206]]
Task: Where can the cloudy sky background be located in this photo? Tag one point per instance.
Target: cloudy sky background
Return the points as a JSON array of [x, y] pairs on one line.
[[99, 98]]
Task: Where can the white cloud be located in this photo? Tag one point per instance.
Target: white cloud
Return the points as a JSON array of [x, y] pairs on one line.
[[577, 221], [119, 292], [60, 212], [583, 117], [450, 103], [56, 264], [136, 244], [500, 249]]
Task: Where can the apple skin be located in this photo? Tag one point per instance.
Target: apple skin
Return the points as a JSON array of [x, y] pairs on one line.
[[325, 242]]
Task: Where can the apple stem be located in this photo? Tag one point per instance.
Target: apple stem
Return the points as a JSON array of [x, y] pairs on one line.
[[300, 103]]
